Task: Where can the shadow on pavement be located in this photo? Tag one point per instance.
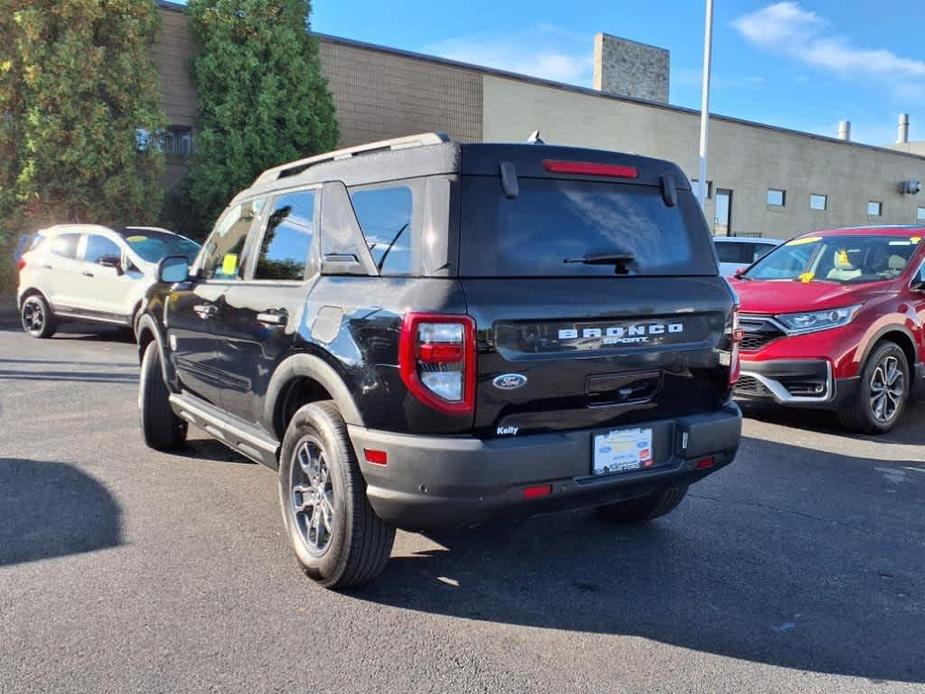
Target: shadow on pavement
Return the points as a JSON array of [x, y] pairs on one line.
[[75, 376], [768, 569], [51, 510], [909, 430]]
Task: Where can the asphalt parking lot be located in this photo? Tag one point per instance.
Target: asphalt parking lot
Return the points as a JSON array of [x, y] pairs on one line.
[[799, 568]]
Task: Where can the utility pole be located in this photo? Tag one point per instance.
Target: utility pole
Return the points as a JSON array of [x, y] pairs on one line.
[[705, 105]]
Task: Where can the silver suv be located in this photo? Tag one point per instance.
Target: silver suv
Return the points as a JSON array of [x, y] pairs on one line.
[[91, 273]]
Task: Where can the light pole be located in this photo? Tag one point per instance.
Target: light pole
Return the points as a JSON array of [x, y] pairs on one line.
[[705, 105]]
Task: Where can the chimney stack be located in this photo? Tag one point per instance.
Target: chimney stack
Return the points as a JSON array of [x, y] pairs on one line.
[[844, 130], [627, 68], [902, 134]]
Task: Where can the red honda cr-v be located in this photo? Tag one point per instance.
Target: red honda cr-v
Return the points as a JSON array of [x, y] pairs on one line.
[[836, 320]]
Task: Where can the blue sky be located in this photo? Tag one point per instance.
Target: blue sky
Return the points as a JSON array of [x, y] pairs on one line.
[[803, 65]]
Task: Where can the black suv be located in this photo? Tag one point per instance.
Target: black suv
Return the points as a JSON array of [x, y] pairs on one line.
[[420, 333]]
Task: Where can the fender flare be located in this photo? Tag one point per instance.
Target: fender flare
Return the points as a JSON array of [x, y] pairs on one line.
[[146, 322], [315, 368], [877, 336]]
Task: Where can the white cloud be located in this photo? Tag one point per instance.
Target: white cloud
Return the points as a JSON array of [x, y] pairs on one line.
[[786, 28], [541, 51]]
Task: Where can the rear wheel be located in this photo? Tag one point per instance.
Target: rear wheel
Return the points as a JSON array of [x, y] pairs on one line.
[[338, 538], [644, 508], [37, 317], [162, 429], [882, 392]]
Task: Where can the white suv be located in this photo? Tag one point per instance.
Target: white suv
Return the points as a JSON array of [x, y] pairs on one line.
[[91, 273]]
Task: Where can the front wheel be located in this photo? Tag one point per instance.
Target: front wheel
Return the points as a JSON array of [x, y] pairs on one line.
[[882, 392], [37, 317], [338, 538], [644, 508], [162, 429]]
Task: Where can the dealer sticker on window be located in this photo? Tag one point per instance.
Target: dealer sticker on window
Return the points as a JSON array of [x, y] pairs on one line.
[[622, 450]]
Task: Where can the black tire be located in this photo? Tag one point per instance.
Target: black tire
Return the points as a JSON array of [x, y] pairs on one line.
[[162, 429], [644, 508], [863, 415], [355, 546], [37, 318]]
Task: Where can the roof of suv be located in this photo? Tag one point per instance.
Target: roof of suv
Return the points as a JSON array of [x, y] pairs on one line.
[[880, 230], [434, 153]]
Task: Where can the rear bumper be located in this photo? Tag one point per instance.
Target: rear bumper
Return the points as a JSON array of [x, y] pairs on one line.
[[432, 482], [795, 382]]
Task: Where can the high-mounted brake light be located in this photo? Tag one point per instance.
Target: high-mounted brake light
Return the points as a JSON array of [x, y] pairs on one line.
[[436, 359], [588, 168]]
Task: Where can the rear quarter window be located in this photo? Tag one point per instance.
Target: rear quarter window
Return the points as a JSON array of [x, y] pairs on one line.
[[552, 220]]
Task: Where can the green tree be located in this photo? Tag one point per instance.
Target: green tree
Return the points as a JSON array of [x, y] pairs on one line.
[[262, 97], [77, 82]]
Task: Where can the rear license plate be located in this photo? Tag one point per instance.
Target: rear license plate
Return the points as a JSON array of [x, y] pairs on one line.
[[622, 450]]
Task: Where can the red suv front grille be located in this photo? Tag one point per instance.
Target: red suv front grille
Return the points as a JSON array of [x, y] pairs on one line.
[[757, 333]]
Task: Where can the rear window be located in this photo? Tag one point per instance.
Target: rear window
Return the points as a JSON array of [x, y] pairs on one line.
[[552, 221], [729, 252]]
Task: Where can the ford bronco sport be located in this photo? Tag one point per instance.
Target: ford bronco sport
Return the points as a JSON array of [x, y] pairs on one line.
[[420, 334]]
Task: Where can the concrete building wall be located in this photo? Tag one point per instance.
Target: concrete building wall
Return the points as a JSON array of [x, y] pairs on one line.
[[630, 69], [381, 94], [745, 158]]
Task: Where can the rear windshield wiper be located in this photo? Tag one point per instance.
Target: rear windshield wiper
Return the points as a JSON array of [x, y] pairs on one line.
[[618, 260]]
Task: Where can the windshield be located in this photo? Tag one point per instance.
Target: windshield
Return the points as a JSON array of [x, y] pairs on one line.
[[153, 245], [565, 228], [845, 259]]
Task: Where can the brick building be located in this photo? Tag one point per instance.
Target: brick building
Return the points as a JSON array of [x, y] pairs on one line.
[[762, 179]]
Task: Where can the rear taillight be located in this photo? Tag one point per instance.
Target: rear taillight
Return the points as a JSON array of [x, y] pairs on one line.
[[20, 264], [437, 360], [735, 338]]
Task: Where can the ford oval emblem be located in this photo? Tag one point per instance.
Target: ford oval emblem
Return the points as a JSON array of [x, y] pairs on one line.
[[509, 381]]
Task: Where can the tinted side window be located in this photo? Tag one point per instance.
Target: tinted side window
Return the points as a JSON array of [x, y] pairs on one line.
[[288, 238], [100, 247], [385, 217], [729, 252], [222, 255], [65, 245]]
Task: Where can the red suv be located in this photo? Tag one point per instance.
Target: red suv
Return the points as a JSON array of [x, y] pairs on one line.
[[836, 320]]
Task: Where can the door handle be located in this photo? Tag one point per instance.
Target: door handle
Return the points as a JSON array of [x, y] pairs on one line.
[[47, 267], [87, 274], [205, 310], [279, 318]]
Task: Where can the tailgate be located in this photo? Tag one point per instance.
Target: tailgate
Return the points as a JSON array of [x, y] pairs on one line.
[[569, 353]]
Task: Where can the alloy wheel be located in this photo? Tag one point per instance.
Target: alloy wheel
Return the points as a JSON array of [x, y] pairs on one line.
[[312, 495], [887, 388], [33, 316]]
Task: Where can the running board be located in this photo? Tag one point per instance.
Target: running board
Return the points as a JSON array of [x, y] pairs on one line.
[[240, 436]]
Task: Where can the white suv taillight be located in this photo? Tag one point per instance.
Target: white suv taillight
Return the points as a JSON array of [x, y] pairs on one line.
[[437, 360]]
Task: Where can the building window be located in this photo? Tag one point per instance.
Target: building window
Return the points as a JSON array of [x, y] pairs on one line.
[[818, 202], [177, 141], [874, 208], [776, 198], [695, 182], [920, 215]]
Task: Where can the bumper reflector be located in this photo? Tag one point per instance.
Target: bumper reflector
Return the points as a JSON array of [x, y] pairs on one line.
[[705, 463], [537, 491], [376, 457]]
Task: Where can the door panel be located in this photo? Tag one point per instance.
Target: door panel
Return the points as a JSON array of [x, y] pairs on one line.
[[191, 312], [106, 290], [258, 319], [62, 271]]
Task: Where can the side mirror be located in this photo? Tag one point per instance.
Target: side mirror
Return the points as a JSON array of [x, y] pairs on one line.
[[113, 261], [173, 269], [739, 272]]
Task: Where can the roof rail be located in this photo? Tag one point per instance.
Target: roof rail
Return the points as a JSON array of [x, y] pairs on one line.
[[297, 167]]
